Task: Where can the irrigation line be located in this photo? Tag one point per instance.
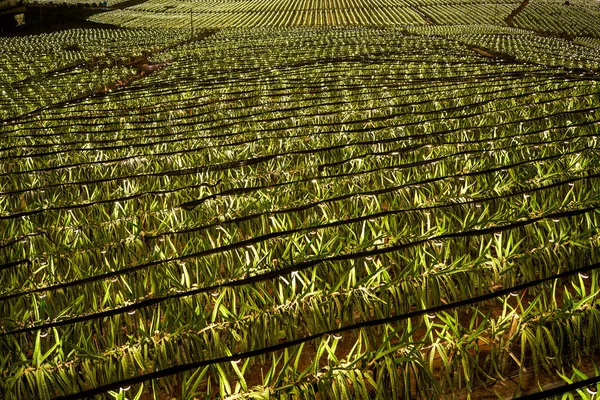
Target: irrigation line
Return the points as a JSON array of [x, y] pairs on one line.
[[359, 122], [104, 201], [277, 138], [79, 63], [229, 121], [314, 86], [384, 118], [351, 130], [190, 205], [186, 151], [555, 392], [379, 86], [509, 166], [209, 128], [82, 96], [260, 95], [260, 277], [335, 82], [256, 75], [262, 159], [71, 101], [15, 240], [179, 140], [212, 83], [316, 105], [369, 193], [385, 213], [535, 365], [344, 222], [334, 199], [497, 89], [14, 264], [365, 143], [361, 325]]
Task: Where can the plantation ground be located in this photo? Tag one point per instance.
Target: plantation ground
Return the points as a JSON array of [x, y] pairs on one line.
[[396, 211]]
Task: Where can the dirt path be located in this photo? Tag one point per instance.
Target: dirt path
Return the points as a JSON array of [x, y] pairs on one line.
[[424, 15], [510, 18], [492, 54], [483, 52], [145, 67]]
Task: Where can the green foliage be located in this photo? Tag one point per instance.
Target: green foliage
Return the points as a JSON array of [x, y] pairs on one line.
[[244, 222]]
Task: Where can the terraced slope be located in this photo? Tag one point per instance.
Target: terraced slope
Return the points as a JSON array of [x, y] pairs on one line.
[[305, 212]]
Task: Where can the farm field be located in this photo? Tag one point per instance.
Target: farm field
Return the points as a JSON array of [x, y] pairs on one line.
[[394, 202]]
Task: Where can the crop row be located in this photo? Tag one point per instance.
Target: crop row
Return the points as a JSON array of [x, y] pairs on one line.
[[469, 13]]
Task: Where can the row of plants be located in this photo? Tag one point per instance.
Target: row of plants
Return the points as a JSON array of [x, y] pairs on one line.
[[263, 5], [538, 50], [588, 42], [346, 110], [22, 98], [468, 13]]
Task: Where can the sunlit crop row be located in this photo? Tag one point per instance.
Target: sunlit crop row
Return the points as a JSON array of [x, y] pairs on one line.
[[588, 42], [468, 13]]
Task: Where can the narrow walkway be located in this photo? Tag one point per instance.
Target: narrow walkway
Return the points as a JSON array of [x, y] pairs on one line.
[[510, 18], [493, 54], [424, 15]]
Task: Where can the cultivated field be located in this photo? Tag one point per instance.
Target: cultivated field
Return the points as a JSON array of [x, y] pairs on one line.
[[275, 208]]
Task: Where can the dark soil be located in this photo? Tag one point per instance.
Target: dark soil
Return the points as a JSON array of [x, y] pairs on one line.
[[56, 23]]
